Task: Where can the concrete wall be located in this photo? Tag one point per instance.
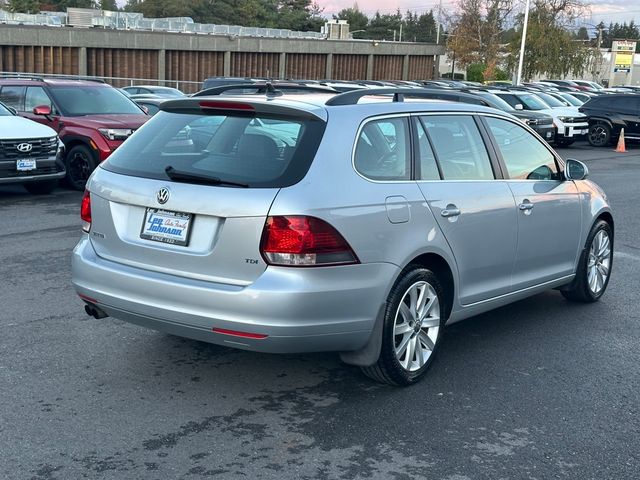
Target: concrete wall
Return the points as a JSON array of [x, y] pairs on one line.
[[189, 57]]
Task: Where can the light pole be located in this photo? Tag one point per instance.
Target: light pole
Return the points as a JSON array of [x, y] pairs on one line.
[[522, 43]]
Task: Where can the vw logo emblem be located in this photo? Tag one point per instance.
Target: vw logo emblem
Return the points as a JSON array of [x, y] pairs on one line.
[[163, 195], [24, 147]]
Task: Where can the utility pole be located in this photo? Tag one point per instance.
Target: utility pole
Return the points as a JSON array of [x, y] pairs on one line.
[[438, 21], [523, 42], [400, 36]]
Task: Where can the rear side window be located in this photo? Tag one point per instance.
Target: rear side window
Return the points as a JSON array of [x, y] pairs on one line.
[[256, 150], [459, 147], [13, 97], [382, 150], [427, 166]]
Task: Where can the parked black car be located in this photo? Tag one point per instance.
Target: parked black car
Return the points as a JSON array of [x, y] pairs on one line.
[[609, 114]]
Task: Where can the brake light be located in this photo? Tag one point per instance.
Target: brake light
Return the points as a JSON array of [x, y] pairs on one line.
[[301, 241], [226, 105], [85, 211]]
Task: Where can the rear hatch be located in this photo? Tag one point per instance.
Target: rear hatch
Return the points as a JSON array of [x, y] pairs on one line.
[[189, 193]]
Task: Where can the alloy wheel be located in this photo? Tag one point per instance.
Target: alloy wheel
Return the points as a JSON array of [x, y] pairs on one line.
[[598, 135], [599, 264], [80, 167], [416, 326]]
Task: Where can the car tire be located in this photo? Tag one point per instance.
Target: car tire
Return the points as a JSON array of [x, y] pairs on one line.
[[409, 341], [599, 135], [41, 188], [79, 162], [594, 267]]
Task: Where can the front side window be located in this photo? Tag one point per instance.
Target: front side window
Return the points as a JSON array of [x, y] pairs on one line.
[[382, 150], [459, 147], [525, 157], [13, 97], [36, 97]]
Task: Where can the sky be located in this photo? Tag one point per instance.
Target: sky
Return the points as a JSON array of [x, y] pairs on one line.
[[605, 10]]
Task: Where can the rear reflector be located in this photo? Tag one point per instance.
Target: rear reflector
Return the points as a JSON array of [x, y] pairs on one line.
[[87, 299], [257, 336], [85, 211], [301, 241], [244, 107]]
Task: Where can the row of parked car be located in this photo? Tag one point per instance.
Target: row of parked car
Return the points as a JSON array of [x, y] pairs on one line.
[[53, 128]]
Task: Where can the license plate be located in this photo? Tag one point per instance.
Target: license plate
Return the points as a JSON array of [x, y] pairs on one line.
[[26, 164], [166, 226]]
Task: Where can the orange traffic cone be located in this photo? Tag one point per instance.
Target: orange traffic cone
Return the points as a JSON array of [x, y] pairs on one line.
[[621, 148]]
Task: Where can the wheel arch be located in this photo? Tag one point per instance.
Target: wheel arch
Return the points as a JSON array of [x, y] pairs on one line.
[[368, 355], [71, 141], [596, 120], [438, 265]]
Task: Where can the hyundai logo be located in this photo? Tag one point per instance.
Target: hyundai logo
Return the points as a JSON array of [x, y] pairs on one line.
[[163, 195], [24, 147]]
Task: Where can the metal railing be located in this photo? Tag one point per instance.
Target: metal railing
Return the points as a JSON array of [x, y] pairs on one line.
[[82, 17], [184, 85]]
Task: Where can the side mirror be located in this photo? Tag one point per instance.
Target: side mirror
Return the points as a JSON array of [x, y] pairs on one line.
[[519, 106], [575, 170], [44, 110]]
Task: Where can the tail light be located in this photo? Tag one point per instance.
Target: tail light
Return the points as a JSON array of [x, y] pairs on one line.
[[300, 241], [85, 211]]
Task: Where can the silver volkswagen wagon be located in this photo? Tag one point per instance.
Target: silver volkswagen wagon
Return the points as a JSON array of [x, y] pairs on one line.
[[360, 223]]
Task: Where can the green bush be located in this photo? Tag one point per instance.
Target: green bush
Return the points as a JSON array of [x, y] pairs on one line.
[[475, 72]]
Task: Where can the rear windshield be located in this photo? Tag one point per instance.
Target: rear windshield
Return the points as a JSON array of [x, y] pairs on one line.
[[257, 150], [80, 100]]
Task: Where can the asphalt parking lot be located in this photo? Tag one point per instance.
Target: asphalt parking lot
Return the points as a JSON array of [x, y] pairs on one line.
[[539, 389]]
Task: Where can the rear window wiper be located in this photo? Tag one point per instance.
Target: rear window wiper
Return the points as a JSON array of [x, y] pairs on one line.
[[181, 176]]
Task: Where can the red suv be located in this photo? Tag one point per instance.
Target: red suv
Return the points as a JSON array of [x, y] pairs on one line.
[[91, 117]]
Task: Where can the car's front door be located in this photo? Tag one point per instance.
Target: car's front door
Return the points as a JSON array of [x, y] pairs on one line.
[[475, 212], [548, 206]]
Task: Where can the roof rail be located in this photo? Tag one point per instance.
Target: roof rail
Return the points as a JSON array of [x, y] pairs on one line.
[[52, 76], [268, 88], [352, 97], [23, 77]]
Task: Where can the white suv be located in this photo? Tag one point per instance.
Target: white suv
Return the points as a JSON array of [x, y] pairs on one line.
[[569, 122], [30, 153]]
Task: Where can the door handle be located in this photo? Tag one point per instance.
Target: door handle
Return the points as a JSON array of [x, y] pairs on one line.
[[450, 212], [526, 206]]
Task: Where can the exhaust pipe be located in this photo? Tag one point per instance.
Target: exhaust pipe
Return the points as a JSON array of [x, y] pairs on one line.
[[94, 311]]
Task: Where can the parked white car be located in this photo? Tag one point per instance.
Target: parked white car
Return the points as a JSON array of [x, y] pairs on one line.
[[30, 153], [569, 122]]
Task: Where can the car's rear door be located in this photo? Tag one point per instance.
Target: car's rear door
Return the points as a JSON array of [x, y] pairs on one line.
[[548, 207], [475, 212]]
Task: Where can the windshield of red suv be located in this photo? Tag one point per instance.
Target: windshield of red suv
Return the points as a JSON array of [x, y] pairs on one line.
[[89, 100]]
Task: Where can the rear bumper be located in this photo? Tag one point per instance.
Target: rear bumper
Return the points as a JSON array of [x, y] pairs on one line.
[[296, 309]]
